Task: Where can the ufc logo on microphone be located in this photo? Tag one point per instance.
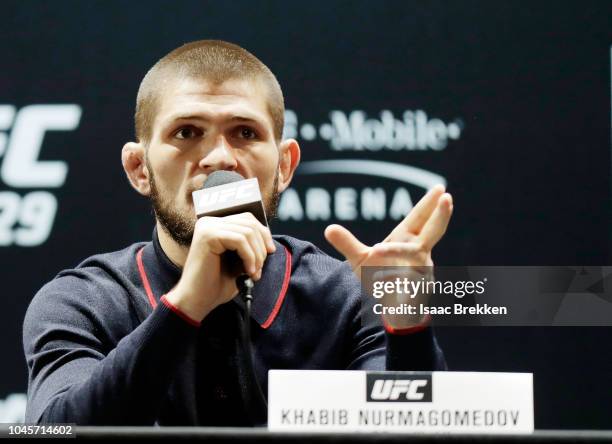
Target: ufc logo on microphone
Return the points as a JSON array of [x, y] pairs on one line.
[[398, 387], [242, 190]]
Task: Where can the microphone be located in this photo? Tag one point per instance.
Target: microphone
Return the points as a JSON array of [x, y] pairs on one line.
[[225, 193]]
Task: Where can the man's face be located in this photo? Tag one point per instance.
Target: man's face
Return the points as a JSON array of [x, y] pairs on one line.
[[201, 128]]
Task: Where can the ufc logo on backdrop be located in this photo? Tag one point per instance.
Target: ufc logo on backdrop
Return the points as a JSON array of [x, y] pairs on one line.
[[26, 220], [398, 387]]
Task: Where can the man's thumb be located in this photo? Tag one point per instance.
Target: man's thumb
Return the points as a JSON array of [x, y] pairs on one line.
[[343, 240]]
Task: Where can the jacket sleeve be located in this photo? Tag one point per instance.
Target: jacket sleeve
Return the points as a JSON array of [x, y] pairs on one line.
[[373, 348], [87, 367], [414, 351]]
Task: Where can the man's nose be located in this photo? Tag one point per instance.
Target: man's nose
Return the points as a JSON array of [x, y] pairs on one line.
[[220, 157]]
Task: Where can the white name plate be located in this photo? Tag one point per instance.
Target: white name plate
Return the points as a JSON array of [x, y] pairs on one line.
[[411, 402]]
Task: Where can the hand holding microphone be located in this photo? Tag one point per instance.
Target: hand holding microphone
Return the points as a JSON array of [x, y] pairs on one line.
[[226, 206]]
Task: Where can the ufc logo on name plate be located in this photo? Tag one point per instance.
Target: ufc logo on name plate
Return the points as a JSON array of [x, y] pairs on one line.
[[26, 219], [398, 387]]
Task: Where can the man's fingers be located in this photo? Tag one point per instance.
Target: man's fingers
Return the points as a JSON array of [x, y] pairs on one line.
[[436, 226], [415, 220], [238, 242], [254, 238], [343, 240], [249, 220]]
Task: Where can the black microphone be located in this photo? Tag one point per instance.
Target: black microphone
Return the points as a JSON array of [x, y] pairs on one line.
[[225, 193]]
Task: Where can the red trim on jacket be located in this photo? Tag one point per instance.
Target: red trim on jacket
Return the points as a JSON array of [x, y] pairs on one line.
[[409, 330], [277, 306], [145, 280], [178, 311], [283, 291]]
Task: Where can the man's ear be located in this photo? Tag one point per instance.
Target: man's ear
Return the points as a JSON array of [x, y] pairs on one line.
[[289, 160], [135, 167]]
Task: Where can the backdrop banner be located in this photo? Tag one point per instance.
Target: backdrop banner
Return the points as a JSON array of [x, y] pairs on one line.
[[506, 103]]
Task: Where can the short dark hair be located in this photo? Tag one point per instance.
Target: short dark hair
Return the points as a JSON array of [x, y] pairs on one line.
[[212, 60]]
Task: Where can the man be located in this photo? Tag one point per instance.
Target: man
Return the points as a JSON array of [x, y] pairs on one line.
[[151, 334]]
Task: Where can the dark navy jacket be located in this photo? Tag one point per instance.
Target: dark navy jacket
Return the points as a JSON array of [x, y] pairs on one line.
[[102, 347]]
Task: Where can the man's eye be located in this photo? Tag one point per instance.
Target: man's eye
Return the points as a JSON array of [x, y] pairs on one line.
[[187, 132], [246, 133]]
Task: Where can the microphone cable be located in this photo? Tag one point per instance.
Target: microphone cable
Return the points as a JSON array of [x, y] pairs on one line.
[[254, 398]]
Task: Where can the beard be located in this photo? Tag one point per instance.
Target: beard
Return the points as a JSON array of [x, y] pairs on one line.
[[181, 226]]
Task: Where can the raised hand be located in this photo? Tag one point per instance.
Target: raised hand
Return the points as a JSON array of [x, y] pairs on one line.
[[409, 244]]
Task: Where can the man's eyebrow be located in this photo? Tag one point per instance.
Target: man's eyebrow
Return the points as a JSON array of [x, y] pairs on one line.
[[186, 117], [245, 119], [234, 118]]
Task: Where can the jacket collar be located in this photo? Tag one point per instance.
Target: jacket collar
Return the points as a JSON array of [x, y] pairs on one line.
[[159, 275]]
